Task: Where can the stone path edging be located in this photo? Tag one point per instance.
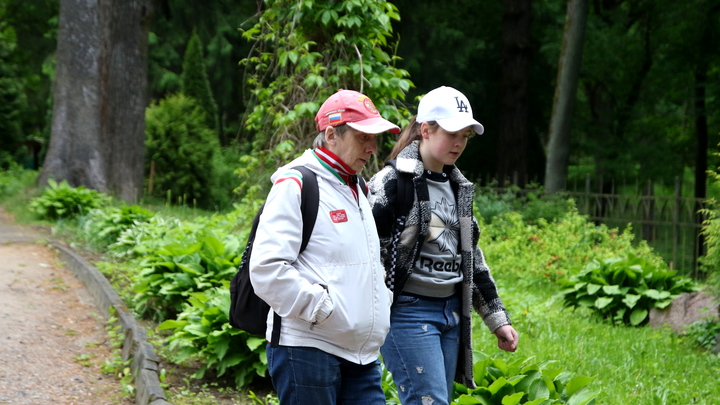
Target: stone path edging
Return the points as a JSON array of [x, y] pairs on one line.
[[144, 364]]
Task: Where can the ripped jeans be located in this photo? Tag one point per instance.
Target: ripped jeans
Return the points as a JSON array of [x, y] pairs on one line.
[[421, 350]]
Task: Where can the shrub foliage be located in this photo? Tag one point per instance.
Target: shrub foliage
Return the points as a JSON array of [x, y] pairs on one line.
[[180, 150], [60, 200], [624, 289]]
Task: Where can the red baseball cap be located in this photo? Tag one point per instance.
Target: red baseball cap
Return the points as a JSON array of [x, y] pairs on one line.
[[354, 109]]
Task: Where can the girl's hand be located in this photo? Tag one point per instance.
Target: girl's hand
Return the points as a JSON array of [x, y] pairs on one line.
[[507, 338]]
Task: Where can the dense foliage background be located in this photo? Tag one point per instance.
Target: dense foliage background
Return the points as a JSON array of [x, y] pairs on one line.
[[648, 85], [232, 90]]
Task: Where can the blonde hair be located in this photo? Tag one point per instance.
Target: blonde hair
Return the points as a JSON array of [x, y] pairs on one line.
[[409, 134]]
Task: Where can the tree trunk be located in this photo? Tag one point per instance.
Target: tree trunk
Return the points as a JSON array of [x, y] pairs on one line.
[[100, 95], [513, 127], [556, 169]]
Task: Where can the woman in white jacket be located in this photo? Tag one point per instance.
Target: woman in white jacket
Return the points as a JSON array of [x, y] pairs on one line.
[[332, 298]]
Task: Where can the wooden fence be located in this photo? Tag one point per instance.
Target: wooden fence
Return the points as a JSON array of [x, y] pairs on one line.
[[671, 224]]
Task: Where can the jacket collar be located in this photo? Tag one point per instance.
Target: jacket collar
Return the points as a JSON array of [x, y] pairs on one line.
[[409, 161]]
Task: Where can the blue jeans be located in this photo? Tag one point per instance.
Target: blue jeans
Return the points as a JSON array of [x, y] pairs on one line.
[[421, 350], [306, 375]]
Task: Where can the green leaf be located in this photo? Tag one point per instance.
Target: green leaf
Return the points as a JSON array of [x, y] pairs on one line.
[[637, 316], [172, 324], [602, 302], [468, 400], [498, 385], [576, 384], [513, 399], [611, 290], [593, 288], [583, 397], [631, 299], [539, 390], [253, 342]]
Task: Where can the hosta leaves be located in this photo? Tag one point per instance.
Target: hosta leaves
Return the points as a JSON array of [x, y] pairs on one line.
[[513, 399], [593, 288], [612, 290], [638, 316], [539, 390], [640, 284], [631, 299], [583, 397], [470, 400], [576, 384], [602, 302]]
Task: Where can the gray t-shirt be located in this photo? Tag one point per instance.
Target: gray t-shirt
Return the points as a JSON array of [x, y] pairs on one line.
[[437, 270]]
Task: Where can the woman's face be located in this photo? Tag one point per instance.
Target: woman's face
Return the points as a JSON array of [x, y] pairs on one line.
[[440, 147], [354, 147]]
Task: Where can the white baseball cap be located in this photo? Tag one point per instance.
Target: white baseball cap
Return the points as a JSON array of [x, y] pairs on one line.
[[449, 108]]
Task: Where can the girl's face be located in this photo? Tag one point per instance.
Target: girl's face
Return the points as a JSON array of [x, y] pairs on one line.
[[439, 147]]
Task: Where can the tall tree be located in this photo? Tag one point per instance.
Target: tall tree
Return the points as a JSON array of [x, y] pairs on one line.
[[12, 98], [512, 146], [303, 52], [195, 81], [98, 124], [565, 93]]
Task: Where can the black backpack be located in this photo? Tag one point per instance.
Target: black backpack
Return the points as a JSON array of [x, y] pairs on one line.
[[248, 312]]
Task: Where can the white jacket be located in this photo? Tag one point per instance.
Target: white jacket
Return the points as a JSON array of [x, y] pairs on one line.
[[343, 254]]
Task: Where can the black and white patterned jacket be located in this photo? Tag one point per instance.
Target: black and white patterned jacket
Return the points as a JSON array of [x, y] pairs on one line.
[[478, 288]]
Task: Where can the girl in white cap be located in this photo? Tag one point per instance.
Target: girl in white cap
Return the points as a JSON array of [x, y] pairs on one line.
[[429, 237]]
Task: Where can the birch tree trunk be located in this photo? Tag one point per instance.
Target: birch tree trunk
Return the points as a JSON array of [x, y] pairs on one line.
[[558, 150], [100, 94]]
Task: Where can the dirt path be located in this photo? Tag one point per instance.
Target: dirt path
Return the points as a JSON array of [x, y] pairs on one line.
[[52, 340]]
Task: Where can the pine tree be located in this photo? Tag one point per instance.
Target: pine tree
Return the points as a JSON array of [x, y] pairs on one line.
[[195, 83], [12, 100]]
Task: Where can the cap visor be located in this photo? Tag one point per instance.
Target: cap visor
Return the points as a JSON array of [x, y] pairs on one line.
[[374, 126], [457, 123]]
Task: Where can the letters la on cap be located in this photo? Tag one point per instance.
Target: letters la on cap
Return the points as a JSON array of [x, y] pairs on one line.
[[449, 108]]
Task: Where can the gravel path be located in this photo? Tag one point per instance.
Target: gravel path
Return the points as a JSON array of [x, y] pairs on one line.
[[53, 343]]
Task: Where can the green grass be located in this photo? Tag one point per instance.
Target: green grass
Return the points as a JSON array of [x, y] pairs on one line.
[[630, 365]]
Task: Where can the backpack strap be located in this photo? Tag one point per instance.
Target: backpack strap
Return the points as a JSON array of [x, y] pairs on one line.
[[405, 194], [309, 203], [362, 184], [405, 191]]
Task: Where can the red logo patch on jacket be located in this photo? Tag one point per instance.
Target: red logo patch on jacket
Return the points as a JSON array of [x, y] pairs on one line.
[[338, 216]]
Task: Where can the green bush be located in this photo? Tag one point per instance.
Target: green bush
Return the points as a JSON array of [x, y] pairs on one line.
[[180, 148], [202, 332], [142, 238], [15, 179], [710, 262], [167, 278], [524, 381], [706, 333], [624, 289], [547, 251], [531, 203], [59, 200], [102, 227]]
